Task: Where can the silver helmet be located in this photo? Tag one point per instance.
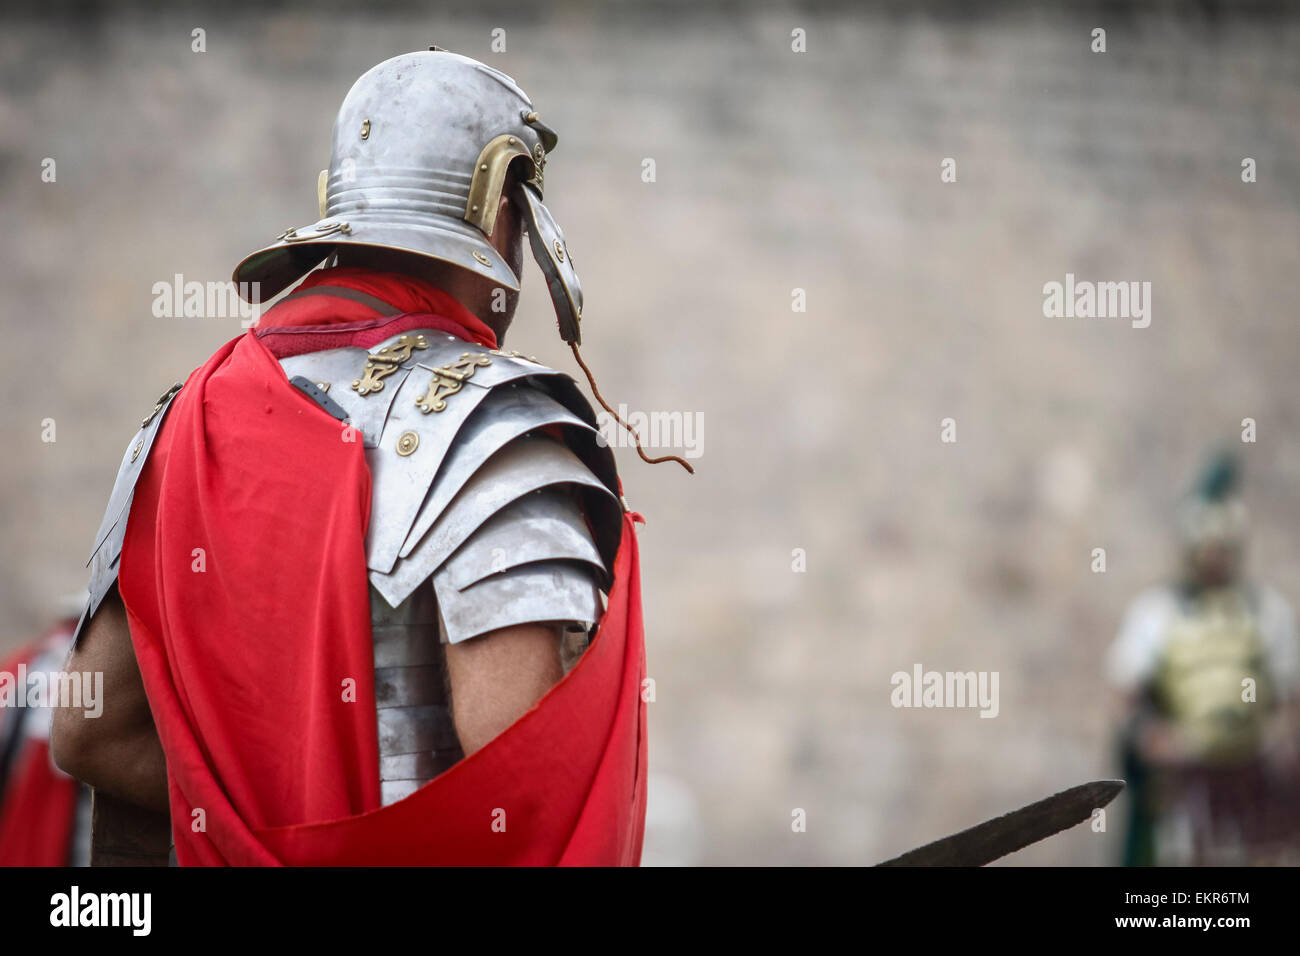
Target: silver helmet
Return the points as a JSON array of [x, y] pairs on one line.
[[421, 148]]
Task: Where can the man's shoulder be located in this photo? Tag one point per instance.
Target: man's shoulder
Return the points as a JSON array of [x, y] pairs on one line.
[[472, 451]]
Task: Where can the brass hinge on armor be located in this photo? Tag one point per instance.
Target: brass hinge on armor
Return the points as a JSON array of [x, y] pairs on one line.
[[447, 380], [385, 362]]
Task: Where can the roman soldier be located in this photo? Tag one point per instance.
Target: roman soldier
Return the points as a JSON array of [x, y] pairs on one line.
[[366, 591], [1209, 666]]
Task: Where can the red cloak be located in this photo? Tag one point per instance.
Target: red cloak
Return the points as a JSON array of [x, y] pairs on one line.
[[243, 575]]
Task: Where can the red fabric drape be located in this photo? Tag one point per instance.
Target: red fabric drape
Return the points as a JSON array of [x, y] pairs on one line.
[[404, 293], [243, 574]]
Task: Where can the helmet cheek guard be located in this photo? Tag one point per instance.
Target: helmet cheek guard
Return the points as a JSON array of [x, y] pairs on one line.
[[490, 171], [552, 255]]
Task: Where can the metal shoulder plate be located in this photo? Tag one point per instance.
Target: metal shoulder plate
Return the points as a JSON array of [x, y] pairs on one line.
[[107, 550], [487, 477]]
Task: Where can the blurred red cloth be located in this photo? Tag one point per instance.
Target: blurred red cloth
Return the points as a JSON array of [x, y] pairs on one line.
[[38, 812], [38, 803]]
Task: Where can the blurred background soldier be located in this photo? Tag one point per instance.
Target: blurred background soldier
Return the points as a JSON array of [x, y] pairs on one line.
[[44, 813], [1209, 667]]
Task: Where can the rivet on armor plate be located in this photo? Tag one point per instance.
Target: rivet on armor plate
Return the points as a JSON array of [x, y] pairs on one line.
[[407, 443], [365, 129], [559, 250], [135, 452], [482, 258]]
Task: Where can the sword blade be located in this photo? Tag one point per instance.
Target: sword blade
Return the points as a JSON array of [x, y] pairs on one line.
[[1013, 831]]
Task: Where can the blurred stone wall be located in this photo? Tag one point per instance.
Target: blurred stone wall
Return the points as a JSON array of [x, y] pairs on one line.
[[774, 171]]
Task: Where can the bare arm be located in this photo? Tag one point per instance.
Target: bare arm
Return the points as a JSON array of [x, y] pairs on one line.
[[117, 752], [497, 677]]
